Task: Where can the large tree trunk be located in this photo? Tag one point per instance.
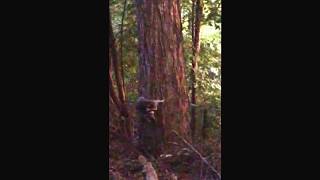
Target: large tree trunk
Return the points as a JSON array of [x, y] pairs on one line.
[[161, 63]]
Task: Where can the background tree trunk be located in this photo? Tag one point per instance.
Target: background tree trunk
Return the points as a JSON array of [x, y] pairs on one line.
[[196, 23], [161, 62], [120, 100]]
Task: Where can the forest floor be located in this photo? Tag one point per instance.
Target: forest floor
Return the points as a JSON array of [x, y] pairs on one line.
[[178, 163]]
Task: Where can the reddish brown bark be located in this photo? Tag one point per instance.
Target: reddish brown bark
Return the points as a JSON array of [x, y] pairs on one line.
[[126, 122], [112, 93], [115, 60], [161, 62]]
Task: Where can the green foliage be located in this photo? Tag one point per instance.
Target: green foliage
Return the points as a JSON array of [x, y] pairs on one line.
[[208, 76], [212, 11], [209, 66], [129, 42]]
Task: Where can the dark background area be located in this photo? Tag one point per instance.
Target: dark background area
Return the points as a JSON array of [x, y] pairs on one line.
[[55, 90]]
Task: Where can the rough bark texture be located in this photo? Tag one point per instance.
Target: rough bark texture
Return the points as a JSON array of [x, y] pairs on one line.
[[161, 62]]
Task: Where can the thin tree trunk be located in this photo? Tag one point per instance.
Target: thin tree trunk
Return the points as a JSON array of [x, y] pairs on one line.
[[192, 19], [114, 55], [197, 13], [121, 41], [126, 123], [113, 94]]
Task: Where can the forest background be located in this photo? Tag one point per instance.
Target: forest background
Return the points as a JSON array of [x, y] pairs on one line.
[[137, 25]]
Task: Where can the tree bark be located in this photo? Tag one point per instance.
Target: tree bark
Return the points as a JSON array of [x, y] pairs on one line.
[[121, 41], [115, 60], [196, 14], [161, 62], [126, 122]]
